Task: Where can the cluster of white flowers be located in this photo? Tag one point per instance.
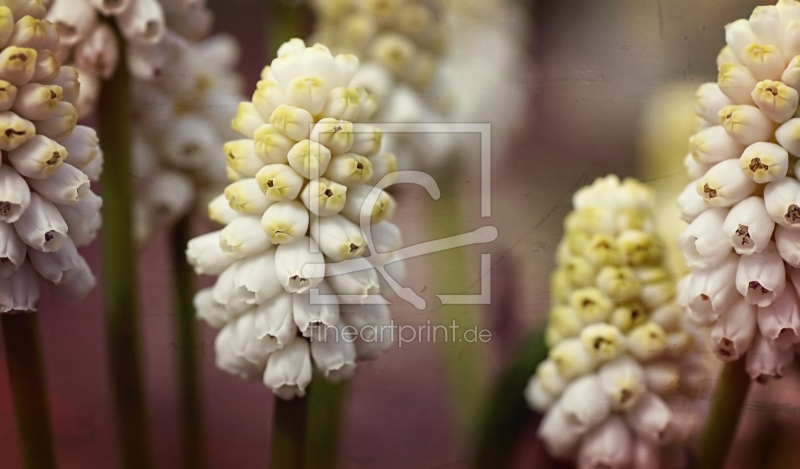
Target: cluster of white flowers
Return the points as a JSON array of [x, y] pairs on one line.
[[486, 44], [155, 32], [403, 42], [620, 349], [743, 240], [305, 187], [181, 123], [47, 208]]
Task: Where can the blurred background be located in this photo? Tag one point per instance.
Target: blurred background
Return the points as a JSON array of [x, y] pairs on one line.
[[608, 89]]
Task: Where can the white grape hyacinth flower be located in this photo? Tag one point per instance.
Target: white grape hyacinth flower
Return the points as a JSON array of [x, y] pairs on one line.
[[403, 44], [156, 33], [47, 207], [179, 131], [621, 354], [744, 206], [302, 178]]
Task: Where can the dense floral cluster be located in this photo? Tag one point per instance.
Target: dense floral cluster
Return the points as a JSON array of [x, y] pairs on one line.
[[302, 208], [743, 240], [47, 208], [155, 31], [180, 127], [620, 349]]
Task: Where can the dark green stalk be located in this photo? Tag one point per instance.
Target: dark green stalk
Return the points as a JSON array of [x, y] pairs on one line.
[[29, 389], [723, 420], [507, 413], [325, 403], [119, 270], [285, 21], [465, 362], [289, 433], [189, 395]]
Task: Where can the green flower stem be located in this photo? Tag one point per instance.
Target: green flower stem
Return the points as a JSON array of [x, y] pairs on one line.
[[465, 363], [507, 412], [285, 21], [119, 270], [325, 405], [289, 433], [190, 398], [29, 389], [723, 420]]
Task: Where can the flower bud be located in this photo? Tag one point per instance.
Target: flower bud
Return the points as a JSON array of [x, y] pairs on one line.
[[81, 146], [538, 399], [355, 287], [724, 184], [746, 124], [241, 157], [726, 55], [761, 277], [650, 418], [69, 81], [8, 95], [734, 331], [277, 318], [343, 103], [338, 237], [383, 164], [244, 237], [293, 122], [374, 326], [662, 377], [20, 291], [288, 370], [647, 341], [15, 196], [571, 358], [714, 144], [38, 158], [12, 250], [245, 196], [766, 360], [309, 159], [764, 162], [209, 310], [323, 197], [704, 243], [367, 200], [74, 20], [267, 97], [737, 82], [782, 200], [748, 226], [565, 322], [83, 218], [314, 318], [776, 100], [607, 445], [36, 101], [41, 225], [206, 256], [220, 211], [550, 379], [628, 315], [334, 357], [14, 131], [285, 222], [47, 68], [559, 434], [623, 381], [290, 264], [336, 135], [739, 35], [712, 290], [99, 52], [192, 143], [788, 243], [255, 280], [690, 203], [788, 135], [307, 92], [35, 34], [247, 120], [66, 185], [53, 265], [779, 322], [60, 124], [619, 283], [585, 403], [142, 22], [591, 305], [17, 64], [709, 99], [271, 145], [349, 169]]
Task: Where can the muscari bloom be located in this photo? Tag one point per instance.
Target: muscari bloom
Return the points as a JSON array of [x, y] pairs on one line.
[[403, 43], [47, 208], [621, 354], [180, 127], [743, 206], [156, 32], [302, 199]]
